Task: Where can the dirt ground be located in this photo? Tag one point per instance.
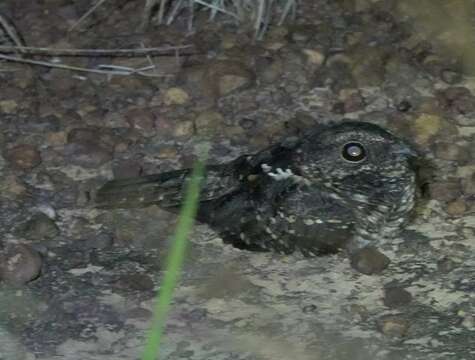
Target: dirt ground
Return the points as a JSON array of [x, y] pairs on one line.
[[79, 283]]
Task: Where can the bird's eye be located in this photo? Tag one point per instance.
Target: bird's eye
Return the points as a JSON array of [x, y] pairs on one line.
[[353, 152]]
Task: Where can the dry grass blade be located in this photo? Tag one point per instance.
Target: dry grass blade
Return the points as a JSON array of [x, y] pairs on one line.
[[165, 50], [87, 14], [104, 69], [12, 33]]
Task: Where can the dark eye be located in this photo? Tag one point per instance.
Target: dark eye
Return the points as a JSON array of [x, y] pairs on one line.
[[353, 151]]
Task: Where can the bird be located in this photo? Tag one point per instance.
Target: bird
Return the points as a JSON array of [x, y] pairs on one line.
[[337, 186]]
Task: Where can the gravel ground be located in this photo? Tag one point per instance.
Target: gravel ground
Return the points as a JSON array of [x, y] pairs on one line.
[[79, 283]]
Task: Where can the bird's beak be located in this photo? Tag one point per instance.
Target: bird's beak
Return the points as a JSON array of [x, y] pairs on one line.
[[405, 150]]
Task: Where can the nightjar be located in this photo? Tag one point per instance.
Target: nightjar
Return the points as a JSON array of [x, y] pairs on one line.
[[345, 185]]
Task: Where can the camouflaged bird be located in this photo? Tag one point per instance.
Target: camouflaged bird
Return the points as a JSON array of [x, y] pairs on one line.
[[343, 185]]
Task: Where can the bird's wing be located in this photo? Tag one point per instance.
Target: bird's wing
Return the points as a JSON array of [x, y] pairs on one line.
[[167, 189]]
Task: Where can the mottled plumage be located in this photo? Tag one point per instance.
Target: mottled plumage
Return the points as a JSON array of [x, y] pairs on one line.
[[341, 185]]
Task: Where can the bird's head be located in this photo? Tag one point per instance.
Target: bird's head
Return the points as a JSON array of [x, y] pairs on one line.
[[354, 154], [365, 168]]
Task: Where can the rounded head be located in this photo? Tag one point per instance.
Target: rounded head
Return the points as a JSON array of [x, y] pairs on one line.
[[352, 148]]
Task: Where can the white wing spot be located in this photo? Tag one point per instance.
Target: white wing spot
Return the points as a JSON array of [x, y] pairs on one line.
[[308, 222], [281, 174], [266, 168]]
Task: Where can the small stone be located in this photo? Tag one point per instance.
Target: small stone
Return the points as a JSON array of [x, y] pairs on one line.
[[314, 57], [176, 96], [141, 120], [12, 187], [139, 282], [127, 169], [20, 264], [230, 76], [184, 128], [8, 106], [269, 70], [209, 122], [23, 157], [247, 123], [89, 155], [57, 138], [139, 314], [308, 309], [445, 191], [396, 296], [394, 326], [446, 265], [457, 99], [468, 185], [369, 261], [450, 77], [404, 106], [447, 151], [426, 126], [40, 227], [457, 207]]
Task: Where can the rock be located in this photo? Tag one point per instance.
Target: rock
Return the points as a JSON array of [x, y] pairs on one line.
[[12, 187], [447, 151], [40, 227], [23, 157], [396, 296], [127, 169], [139, 282], [315, 57], [468, 185], [142, 120], [393, 326], [20, 264], [367, 66], [445, 191], [184, 128], [457, 207], [209, 123], [425, 127], [457, 99], [450, 77], [217, 79], [175, 96], [269, 70], [89, 155], [369, 261], [8, 106], [404, 106]]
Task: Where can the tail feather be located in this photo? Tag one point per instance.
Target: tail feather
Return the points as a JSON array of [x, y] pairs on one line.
[[165, 189]]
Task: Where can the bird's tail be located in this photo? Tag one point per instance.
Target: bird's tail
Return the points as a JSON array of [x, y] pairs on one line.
[[167, 189], [164, 189]]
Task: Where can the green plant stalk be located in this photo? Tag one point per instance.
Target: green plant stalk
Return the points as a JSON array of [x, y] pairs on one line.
[[174, 262]]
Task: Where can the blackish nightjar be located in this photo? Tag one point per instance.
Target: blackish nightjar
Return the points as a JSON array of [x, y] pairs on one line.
[[345, 185]]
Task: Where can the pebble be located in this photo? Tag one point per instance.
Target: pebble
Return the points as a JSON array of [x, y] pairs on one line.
[[369, 261], [175, 96], [20, 264], [425, 127], [39, 227], [209, 123], [8, 106], [24, 156], [393, 326], [457, 207], [89, 155], [445, 191], [142, 120], [447, 151], [139, 282], [396, 296]]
